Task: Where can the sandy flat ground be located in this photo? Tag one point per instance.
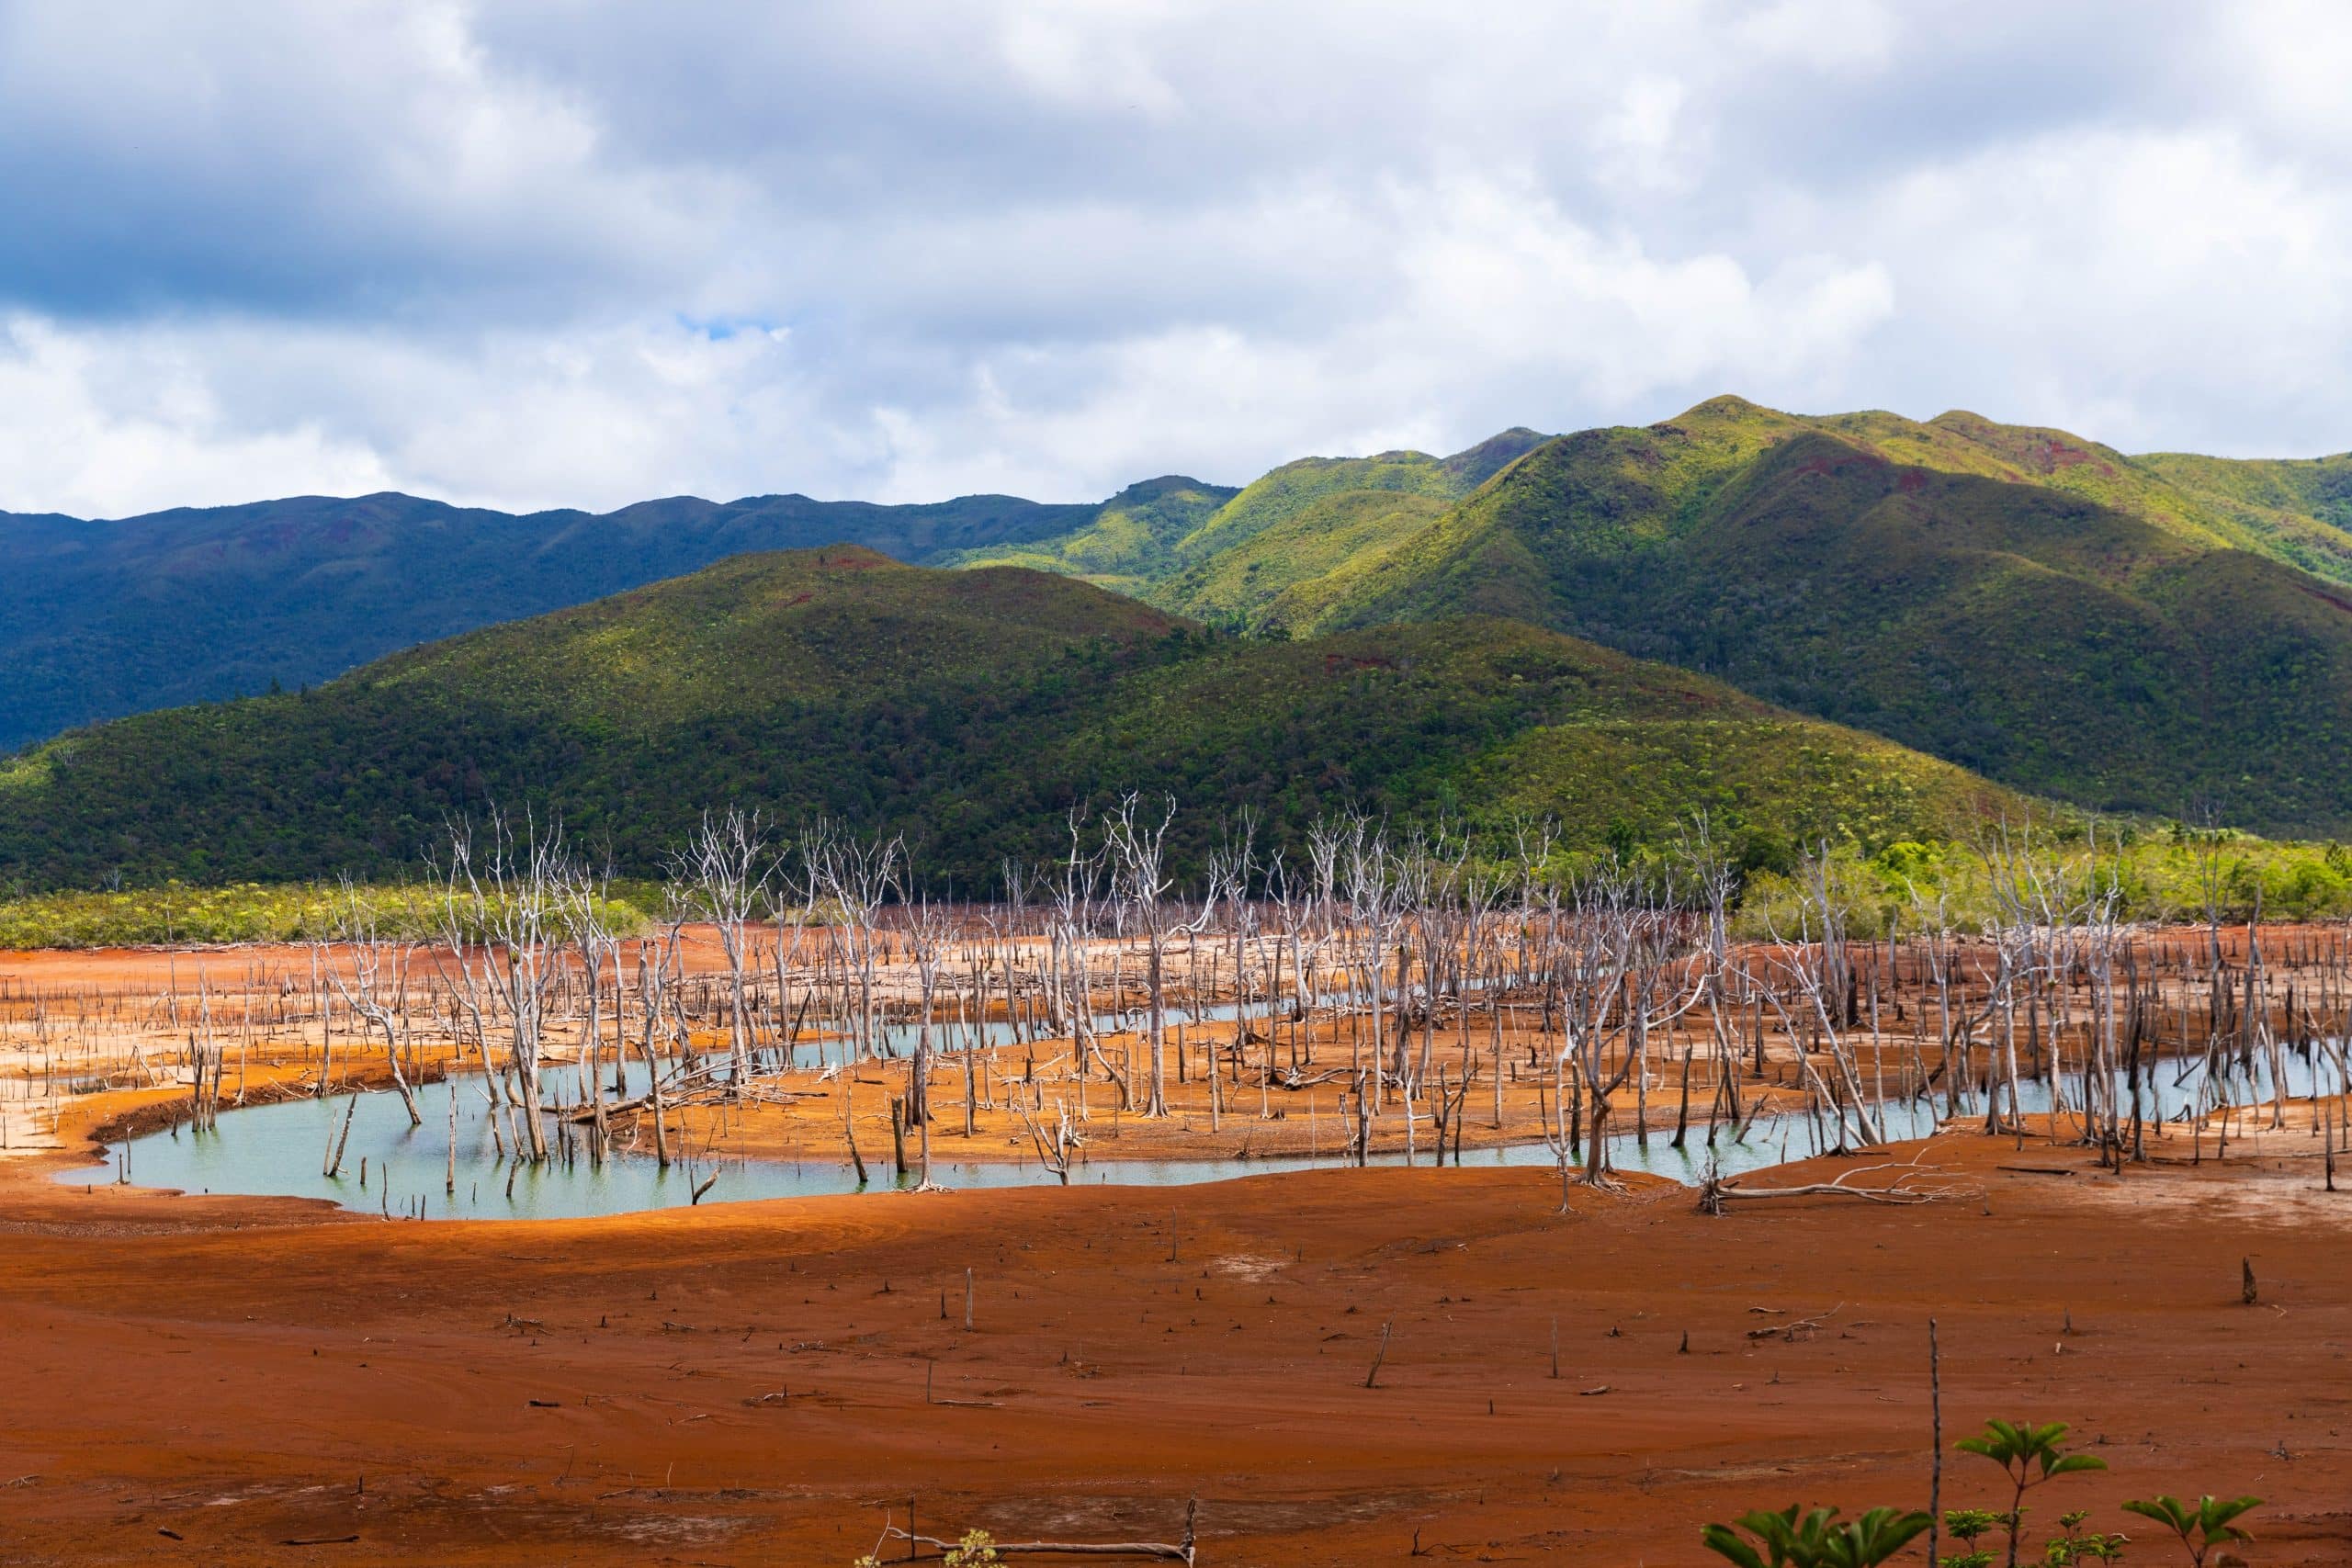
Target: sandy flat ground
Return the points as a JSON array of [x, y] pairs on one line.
[[760, 1382], [263, 1382]]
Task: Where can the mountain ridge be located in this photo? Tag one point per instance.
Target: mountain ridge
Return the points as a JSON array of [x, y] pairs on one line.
[[108, 617], [2154, 635], [2148, 636], [2129, 659], [972, 709]]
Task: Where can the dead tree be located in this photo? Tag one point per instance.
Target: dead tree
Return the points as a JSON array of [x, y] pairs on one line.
[[1610, 988], [1077, 902], [727, 868], [588, 916], [660, 971], [375, 990], [1813, 960], [1055, 1150], [928, 932], [1717, 1193], [502, 907], [858, 876], [1374, 907], [1140, 874]]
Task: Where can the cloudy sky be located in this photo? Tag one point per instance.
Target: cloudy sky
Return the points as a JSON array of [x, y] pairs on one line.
[[559, 252]]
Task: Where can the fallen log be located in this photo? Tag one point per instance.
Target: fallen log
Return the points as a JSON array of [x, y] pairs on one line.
[[1156, 1550], [1714, 1193], [1724, 1193]]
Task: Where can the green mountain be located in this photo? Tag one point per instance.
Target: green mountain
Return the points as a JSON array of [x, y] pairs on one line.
[[973, 710], [2163, 634], [2304, 504], [1126, 545], [105, 618], [1221, 554], [2138, 634]]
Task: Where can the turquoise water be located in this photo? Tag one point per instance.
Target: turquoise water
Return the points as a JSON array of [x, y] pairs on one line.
[[277, 1151]]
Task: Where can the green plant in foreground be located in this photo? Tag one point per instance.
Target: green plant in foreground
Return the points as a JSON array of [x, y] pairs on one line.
[[2202, 1527], [2077, 1545], [1966, 1525], [1791, 1539], [2030, 1455]]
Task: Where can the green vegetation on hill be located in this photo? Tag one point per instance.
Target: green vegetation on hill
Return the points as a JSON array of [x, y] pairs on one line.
[[971, 709], [105, 618], [1127, 546], [2058, 616], [172, 913], [2161, 635], [1248, 583], [1284, 492], [1223, 562], [2302, 507]]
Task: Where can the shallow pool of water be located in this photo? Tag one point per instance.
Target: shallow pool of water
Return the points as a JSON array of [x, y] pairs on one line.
[[279, 1150]]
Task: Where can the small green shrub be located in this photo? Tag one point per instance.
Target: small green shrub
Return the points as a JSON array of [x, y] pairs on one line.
[[2202, 1526], [1794, 1539], [2029, 1455]]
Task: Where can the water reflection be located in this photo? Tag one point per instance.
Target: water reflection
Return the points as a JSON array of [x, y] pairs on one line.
[[278, 1150]]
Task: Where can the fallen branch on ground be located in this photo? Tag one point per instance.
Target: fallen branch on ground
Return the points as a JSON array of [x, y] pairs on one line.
[[1796, 1329], [1158, 1550], [1714, 1193]]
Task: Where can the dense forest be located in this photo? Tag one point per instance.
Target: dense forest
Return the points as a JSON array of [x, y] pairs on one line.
[[2163, 638], [107, 618], [2165, 635], [973, 710]]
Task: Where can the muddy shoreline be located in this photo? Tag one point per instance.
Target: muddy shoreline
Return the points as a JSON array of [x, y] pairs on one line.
[[759, 1382], [281, 1380]]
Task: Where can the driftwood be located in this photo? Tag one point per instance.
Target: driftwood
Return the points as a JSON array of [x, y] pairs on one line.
[[1715, 1192], [1164, 1551], [1795, 1330]]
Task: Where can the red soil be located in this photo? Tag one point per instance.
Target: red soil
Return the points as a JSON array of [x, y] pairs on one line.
[[747, 1383]]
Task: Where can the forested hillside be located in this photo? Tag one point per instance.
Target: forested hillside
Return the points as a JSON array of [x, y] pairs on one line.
[[972, 709], [2165, 635], [1217, 554], [103, 619]]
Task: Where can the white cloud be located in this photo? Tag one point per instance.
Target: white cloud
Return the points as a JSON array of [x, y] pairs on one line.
[[2285, 64], [2150, 289], [1088, 57], [262, 247], [1832, 35], [118, 420], [103, 428]]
